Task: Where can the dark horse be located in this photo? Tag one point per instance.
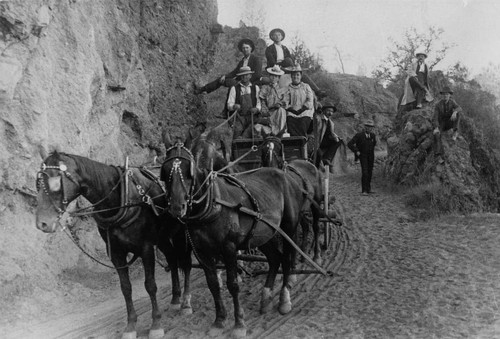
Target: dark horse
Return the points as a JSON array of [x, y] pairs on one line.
[[127, 224], [308, 177], [224, 214]]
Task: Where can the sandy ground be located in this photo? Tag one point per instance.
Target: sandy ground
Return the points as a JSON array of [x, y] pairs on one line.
[[394, 277]]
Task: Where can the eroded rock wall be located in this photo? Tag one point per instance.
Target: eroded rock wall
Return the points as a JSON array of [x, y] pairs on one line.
[[94, 78]]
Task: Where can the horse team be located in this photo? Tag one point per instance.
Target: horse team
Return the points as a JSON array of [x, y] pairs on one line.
[[195, 209]]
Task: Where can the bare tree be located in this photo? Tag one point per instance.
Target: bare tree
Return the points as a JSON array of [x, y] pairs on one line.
[[400, 55], [254, 15], [302, 55], [339, 56]]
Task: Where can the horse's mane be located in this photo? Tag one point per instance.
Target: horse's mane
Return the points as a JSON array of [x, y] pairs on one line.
[[96, 172], [206, 153]]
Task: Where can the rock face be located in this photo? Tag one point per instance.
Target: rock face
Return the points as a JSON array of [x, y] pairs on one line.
[[463, 179], [94, 78]]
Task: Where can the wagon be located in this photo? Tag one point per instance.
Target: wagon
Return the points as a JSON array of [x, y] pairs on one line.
[[295, 147]]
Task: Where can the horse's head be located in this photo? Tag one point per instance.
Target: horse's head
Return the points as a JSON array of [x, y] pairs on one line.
[[178, 173], [58, 183], [272, 152]]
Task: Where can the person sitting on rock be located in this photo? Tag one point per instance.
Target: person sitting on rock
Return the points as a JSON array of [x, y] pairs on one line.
[[244, 98], [416, 83], [446, 117], [299, 104], [278, 54], [326, 141], [363, 146], [273, 114], [246, 46]]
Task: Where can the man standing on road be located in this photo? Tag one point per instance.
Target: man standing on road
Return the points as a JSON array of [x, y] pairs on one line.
[[363, 147]]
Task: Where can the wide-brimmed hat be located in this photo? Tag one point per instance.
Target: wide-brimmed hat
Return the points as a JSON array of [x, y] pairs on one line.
[[420, 53], [295, 68], [276, 70], [329, 104], [369, 123], [246, 42], [446, 90], [277, 30], [244, 70]]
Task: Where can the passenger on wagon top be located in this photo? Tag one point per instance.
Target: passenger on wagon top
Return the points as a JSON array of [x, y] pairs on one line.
[[277, 53], [300, 104], [273, 113], [326, 141], [246, 46], [244, 98]]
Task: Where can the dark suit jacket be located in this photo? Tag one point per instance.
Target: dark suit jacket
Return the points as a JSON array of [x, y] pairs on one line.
[[443, 111], [365, 146], [255, 65], [272, 55]]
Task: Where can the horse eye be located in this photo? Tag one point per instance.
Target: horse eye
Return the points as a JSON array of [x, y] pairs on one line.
[[55, 184]]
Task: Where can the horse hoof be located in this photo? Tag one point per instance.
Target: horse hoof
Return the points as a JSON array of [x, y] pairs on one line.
[[266, 307], [175, 307], [285, 308], [129, 335], [239, 332], [156, 334], [215, 331], [318, 261], [186, 311], [292, 278]]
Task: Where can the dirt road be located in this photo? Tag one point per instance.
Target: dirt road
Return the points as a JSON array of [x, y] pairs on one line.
[[395, 277]]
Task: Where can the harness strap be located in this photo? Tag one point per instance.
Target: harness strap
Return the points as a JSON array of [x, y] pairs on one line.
[[258, 217], [238, 183]]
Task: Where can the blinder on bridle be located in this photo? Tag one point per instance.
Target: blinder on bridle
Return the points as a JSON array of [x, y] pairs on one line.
[[63, 173], [271, 149]]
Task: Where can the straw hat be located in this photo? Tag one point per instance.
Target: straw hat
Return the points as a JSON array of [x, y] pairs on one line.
[[295, 68], [369, 123], [244, 70], [420, 53], [276, 70]]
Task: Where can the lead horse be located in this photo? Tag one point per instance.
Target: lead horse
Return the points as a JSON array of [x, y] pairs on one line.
[[127, 222], [224, 214], [308, 177]]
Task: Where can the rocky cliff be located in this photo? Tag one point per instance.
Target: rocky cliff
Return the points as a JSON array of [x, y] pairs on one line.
[[94, 78]]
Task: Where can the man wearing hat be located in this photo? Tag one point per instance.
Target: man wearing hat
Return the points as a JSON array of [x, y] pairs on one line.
[[416, 84], [273, 119], [244, 98], [299, 104], [246, 46], [446, 117], [363, 145], [326, 141], [277, 53]]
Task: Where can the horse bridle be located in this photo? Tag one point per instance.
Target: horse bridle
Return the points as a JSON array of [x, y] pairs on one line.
[[272, 152], [176, 169], [40, 183]]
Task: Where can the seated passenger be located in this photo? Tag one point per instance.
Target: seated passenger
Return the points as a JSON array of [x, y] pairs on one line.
[[278, 54], [326, 141], [273, 115], [246, 46], [299, 104], [244, 98]]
